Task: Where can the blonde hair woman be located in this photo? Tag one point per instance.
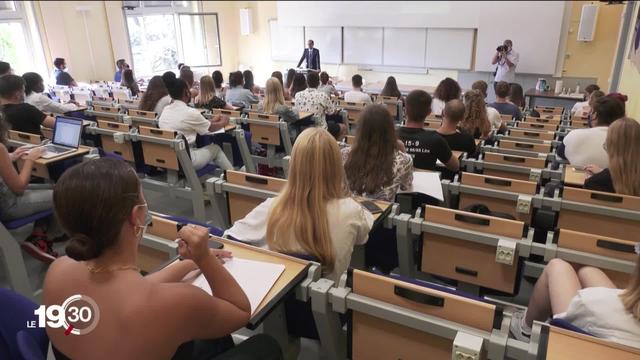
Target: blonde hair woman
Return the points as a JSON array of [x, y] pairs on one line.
[[207, 98], [476, 122], [623, 149], [313, 215], [273, 102]]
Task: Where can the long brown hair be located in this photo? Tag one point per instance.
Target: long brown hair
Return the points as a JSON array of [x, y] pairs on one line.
[[623, 148], [391, 88], [369, 166], [298, 218], [475, 115], [93, 229], [156, 90]]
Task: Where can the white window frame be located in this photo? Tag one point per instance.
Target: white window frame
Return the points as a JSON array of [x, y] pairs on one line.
[[25, 16]]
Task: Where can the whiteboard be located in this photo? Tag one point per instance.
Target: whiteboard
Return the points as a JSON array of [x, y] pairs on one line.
[[404, 47], [450, 48], [287, 42], [363, 46], [328, 40]]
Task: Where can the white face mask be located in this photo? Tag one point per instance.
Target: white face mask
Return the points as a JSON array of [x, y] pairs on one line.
[[141, 228]]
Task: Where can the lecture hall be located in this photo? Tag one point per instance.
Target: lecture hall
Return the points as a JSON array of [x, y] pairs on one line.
[[320, 180]]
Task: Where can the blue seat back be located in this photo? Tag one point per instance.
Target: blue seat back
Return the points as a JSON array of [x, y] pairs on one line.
[[15, 311]]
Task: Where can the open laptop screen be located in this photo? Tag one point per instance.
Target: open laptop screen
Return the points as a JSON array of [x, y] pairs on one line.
[[67, 131]]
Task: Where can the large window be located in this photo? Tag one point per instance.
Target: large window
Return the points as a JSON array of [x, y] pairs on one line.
[[19, 38], [164, 33]]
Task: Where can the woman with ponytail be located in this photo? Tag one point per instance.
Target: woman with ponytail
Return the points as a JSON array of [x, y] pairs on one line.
[[100, 205]]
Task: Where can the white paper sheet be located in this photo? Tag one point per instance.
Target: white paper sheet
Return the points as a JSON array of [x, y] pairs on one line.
[[255, 278], [427, 183]]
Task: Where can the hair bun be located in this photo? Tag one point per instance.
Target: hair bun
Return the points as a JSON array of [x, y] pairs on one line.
[[81, 248]]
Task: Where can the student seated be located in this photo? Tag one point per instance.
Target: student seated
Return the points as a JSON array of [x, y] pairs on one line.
[[247, 76], [60, 75], [34, 88], [326, 86], [5, 68], [475, 122], [516, 95], [313, 215], [143, 317], [356, 94], [187, 76], [291, 73], [207, 98], [190, 122], [623, 149], [273, 102], [129, 81], [121, 65], [424, 146], [20, 115], [156, 97], [314, 101], [236, 94], [448, 89], [218, 84], [584, 147], [503, 105], [299, 84], [391, 88], [492, 114], [18, 199], [582, 107], [339, 132], [453, 114], [376, 165], [587, 299]]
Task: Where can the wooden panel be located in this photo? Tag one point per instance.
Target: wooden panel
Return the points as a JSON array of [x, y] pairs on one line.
[[495, 204], [537, 126], [602, 198], [432, 125], [373, 338], [265, 134], [240, 205], [565, 344], [466, 261], [506, 174], [573, 176], [24, 137], [539, 135], [149, 259], [514, 160], [161, 133], [506, 117], [143, 114], [108, 109], [549, 110], [162, 156], [434, 117], [263, 116], [38, 169], [255, 181], [490, 225], [161, 227], [598, 224], [230, 113], [600, 245], [497, 183], [129, 102], [110, 125], [544, 119], [521, 145], [475, 314], [125, 150]]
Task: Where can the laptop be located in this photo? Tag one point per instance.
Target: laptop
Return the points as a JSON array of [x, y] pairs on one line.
[[66, 137]]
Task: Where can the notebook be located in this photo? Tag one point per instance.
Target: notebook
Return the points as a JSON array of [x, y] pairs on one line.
[[427, 183], [255, 278]]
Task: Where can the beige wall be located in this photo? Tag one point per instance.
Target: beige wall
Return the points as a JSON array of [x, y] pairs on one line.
[[594, 58], [630, 77]]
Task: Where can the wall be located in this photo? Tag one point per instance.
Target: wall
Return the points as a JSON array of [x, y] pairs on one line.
[[229, 28], [630, 77], [88, 53], [594, 58]]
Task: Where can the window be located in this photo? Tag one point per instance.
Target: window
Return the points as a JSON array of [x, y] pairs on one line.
[[17, 29], [163, 34]]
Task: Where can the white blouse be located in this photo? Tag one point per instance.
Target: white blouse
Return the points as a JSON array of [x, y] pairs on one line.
[[349, 225], [44, 104]]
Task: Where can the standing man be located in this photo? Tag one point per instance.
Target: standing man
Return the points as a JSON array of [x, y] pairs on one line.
[[62, 77], [121, 66], [506, 60], [312, 56]]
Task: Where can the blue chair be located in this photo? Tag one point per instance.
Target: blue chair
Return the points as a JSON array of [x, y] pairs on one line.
[[12, 254], [16, 340], [564, 324]]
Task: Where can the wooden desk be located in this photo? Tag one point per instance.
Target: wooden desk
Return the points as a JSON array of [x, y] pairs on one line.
[[40, 166], [384, 205], [552, 99], [229, 127], [574, 177], [303, 115]]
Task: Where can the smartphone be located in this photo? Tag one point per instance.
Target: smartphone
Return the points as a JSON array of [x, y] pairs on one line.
[[212, 243], [371, 206]]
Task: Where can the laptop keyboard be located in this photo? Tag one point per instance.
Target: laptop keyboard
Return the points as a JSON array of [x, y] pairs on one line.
[[57, 149]]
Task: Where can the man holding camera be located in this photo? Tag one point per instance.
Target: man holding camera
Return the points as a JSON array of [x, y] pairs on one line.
[[507, 60]]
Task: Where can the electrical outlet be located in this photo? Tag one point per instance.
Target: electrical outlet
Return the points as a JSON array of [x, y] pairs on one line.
[[505, 251], [466, 347], [523, 204]]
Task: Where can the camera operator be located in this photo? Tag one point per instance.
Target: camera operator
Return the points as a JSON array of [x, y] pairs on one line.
[[506, 60]]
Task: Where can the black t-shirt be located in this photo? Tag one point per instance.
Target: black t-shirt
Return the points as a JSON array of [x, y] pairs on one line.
[[63, 78], [461, 142], [425, 147], [24, 117], [600, 182]]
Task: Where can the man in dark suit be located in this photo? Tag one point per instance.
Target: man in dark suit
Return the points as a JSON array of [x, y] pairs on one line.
[[312, 56]]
